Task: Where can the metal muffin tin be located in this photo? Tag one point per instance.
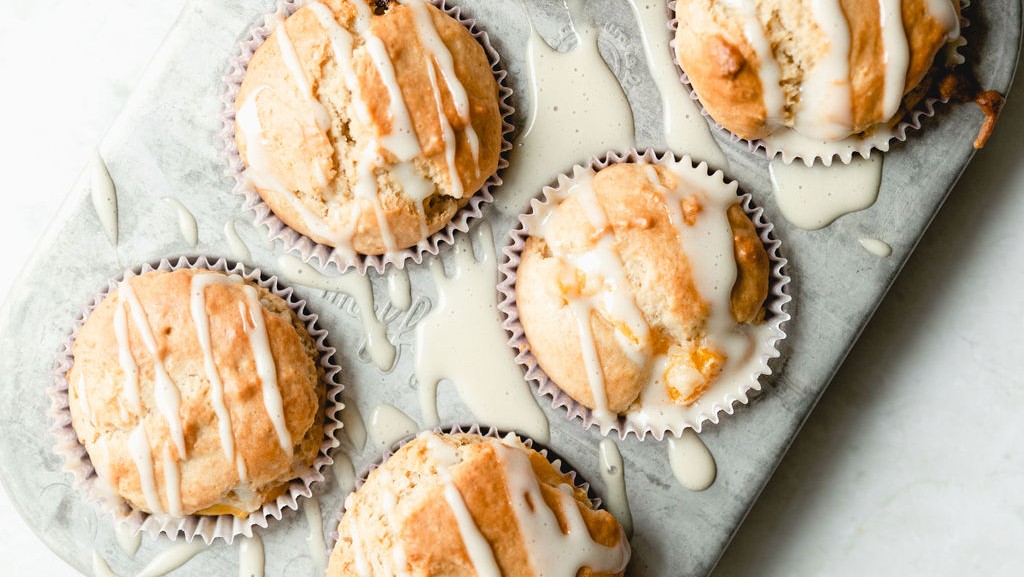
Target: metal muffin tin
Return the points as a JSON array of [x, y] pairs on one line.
[[165, 144]]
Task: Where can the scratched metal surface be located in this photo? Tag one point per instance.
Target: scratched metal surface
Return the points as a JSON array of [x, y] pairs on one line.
[[164, 144]]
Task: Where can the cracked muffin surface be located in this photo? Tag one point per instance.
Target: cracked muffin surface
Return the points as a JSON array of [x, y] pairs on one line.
[[366, 126]]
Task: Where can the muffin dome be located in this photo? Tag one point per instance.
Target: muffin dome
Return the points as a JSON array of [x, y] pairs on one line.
[[365, 125], [195, 392], [637, 285], [463, 505], [826, 70]]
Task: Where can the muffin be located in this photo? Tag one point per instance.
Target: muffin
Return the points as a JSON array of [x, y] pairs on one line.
[[827, 71], [196, 393], [366, 126], [465, 505], [640, 287]]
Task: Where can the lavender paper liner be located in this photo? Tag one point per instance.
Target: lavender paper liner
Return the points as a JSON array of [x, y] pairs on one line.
[[322, 255], [882, 139], [712, 408], [474, 429], [207, 527]]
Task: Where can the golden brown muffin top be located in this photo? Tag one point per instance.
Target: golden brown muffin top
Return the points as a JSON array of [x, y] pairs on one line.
[[368, 131], [766, 66], [642, 271], [454, 505], [144, 393]]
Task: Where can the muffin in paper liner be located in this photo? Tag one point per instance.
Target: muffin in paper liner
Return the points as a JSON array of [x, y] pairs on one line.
[[721, 397], [322, 255], [206, 527], [793, 146], [473, 429]]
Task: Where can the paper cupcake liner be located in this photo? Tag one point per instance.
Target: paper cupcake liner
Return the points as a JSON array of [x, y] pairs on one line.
[[207, 527], [322, 255], [474, 429], [710, 408], [881, 139]]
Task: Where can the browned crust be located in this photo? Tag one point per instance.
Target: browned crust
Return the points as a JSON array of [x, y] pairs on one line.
[[207, 478], [426, 526], [723, 67], [297, 143], [659, 275]]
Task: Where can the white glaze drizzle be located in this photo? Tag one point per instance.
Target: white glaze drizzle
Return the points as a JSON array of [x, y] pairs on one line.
[[466, 318], [100, 568], [582, 311], [616, 302], [172, 483], [186, 221], [430, 38], [877, 247], [353, 428], [567, 91], [824, 110], [691, 461], [201, 319], [613, 472], [358, 554], [399, 289], [447, 135], [260, 174], [945, 12], [402, 142], [357, 286], [172, 558], [768, 67], [811, 197], [897, 55], [416, 187], [315, 537], [366, 186], [553, 553], [388, 425], [104, 196], [168, 397], [83, 398], [479, 550], [442, 57], [265, 367], [708, 244], [239, 250], [684, 125], [141, 453], [291, 61], [342, 46], [128, 539], [251, 557], [398, 565], [344, 473], [130, 388]]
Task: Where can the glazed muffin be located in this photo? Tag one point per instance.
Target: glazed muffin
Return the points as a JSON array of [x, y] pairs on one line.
[[367, 125], [464, 505], [639, 287], [195, 392], [827, 71]]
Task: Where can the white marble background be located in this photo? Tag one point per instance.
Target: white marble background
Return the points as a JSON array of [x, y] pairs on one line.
[[913, 463]]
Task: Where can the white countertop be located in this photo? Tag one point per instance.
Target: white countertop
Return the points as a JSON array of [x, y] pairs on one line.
[[913, 462]]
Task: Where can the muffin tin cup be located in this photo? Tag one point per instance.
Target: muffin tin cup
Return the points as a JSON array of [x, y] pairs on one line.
[[208, 528], [322, 255], [882, 139], [472, 429], [721, 397]]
